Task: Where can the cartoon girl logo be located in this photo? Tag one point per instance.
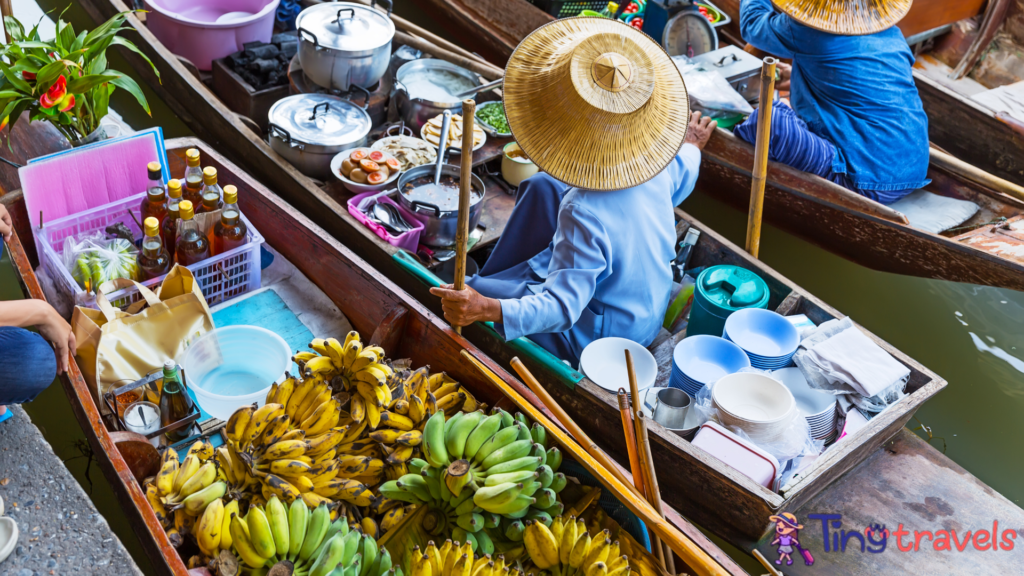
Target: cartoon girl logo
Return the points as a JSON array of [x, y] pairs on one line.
[[787, 532]]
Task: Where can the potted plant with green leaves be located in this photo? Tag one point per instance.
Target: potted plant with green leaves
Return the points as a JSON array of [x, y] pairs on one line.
[[64, 81]]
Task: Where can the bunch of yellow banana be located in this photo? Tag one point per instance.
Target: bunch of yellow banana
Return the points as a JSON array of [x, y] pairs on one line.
[[453, 559], [310, 541], [184, 490], [360, 370], [567, 548]]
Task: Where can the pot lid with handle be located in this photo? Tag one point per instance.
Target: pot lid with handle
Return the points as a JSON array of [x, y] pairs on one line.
[[728, 288], [319, 120], [346, 26]]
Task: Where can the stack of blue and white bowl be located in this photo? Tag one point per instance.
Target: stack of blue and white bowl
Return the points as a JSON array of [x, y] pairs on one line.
[[701, 360], [768, 339]]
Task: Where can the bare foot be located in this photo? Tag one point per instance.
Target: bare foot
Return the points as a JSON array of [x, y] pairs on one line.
[[3, 410]]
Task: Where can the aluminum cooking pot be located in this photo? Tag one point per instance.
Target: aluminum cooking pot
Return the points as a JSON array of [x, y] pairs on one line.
[[425, 88], [308, 130], [439, 226], [343, 44]]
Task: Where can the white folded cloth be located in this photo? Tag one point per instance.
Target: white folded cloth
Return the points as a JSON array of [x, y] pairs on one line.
[[838, 358]]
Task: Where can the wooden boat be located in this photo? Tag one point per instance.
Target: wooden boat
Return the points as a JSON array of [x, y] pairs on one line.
[[374, 306], [706, 491]]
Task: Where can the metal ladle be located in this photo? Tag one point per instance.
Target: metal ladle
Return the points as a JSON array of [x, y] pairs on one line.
[[480, 88], [442, 145]]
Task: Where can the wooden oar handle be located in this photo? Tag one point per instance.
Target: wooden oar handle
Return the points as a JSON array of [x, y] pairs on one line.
[[465, 188]]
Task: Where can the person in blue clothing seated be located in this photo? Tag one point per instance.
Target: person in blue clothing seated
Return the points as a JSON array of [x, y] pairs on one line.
[[856, 117], [586, 252], [28, 364]]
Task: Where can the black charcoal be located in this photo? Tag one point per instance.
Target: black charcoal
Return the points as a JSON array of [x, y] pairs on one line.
[[263, 66], [262, 52]]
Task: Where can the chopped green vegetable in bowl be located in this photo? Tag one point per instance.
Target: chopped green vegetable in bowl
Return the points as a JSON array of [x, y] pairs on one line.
[[493, 114]]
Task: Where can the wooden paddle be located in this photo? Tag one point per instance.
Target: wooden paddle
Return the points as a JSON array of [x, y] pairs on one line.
[[465, 187], [760, 172]]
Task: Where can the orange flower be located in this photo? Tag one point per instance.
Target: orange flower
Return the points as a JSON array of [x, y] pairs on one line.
[[3, 124], [55, 94]]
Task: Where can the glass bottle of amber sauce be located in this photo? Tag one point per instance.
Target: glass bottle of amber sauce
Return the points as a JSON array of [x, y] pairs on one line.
[[153, 259], [192, 244], [230, 232], [193, 178], [169, 228], [154, 205], [212, 193]]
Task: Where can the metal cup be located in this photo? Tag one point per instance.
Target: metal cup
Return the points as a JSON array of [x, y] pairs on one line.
[[670, 408]]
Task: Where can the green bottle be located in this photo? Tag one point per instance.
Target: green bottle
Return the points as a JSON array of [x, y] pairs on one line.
[[175, 404]]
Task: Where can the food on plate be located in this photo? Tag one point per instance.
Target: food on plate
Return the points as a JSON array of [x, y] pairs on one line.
[[393, 164], [494, 116], [358, 155], [408, 151], [376, 177], [432, 132], [376, 156], [369, 166], [347, 166]]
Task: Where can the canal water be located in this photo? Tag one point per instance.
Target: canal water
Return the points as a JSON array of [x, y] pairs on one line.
[[973, 336]]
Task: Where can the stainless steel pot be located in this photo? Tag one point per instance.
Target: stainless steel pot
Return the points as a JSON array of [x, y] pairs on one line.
[[344, 44], [439, 226], [308, 130], [420, 90]]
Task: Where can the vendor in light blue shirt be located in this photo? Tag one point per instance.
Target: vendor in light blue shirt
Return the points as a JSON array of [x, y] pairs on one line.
[[582, 260], [856, 118]]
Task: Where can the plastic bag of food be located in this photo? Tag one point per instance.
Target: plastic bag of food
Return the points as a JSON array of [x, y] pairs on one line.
[[95, 259], [709, 90]]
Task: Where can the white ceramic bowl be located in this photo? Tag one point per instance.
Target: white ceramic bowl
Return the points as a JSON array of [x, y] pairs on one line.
[[234, 366], [356, 187], [754, 398], [604, 362]]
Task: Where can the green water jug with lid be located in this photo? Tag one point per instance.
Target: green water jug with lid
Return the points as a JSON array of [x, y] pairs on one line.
[[720, 291]]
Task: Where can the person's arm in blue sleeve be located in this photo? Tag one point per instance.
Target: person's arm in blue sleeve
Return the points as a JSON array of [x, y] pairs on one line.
[[687, 165], [766, 29], [577, 262]]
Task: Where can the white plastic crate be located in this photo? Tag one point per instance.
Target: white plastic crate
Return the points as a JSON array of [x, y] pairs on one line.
[[221, 277]]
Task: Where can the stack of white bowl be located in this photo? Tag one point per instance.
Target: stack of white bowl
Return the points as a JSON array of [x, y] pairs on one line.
[[760, 406], [817, 407], [701, 360]]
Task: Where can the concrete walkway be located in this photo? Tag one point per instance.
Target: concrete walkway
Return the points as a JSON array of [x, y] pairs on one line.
[[60, 530]]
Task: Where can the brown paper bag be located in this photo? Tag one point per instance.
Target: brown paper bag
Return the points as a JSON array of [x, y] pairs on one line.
[[118, 347]]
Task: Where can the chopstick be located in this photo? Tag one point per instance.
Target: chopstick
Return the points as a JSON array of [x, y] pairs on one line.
[[631, 449]]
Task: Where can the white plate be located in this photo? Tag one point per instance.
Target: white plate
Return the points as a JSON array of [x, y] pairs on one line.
[[604, 362], [812, 403]]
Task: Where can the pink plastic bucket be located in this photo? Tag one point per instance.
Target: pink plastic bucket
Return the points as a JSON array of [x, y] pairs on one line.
[[202, 31], [408, 241]]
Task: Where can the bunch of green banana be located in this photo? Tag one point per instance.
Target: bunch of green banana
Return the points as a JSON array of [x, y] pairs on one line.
[[310, 541], [478, 469], [567, 549], [453, 559]]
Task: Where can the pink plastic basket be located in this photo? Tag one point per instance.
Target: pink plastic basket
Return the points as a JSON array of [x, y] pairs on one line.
[[221, 277], [408, 241]]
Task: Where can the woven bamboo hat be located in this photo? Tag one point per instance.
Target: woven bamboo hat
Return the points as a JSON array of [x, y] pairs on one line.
[[846, 17], [595, 103]]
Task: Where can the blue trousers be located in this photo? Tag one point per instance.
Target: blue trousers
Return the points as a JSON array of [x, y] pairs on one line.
[[529, 231], [792, 143], [27, 365]]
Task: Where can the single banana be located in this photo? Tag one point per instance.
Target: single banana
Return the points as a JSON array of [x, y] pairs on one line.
[[318, 523], [196, 503], [186, 470], [515, 450], [242, 544], [499, 440], [230, 509], [434, 450], [298, 519], [277, 518], [209, 530], [456, 436], [238, 422]]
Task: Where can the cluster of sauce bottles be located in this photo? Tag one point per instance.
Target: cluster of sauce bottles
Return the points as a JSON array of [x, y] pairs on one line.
[[172, 233]]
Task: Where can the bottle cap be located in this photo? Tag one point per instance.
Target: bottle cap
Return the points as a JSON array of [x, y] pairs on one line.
[[192, 157], [152, 226], [154, 171], [209, 175], [185, 210], [169, 365], [174, 188], [230, 194]]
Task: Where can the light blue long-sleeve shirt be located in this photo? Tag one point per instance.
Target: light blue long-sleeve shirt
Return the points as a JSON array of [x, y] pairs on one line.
[[606, 272]]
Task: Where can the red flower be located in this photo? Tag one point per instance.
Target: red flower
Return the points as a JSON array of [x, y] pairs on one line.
[[56, 92], [66, 103], [28, 75]]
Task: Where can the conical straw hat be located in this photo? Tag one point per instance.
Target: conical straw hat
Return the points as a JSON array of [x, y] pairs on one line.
[[846, 17], [595, 103]]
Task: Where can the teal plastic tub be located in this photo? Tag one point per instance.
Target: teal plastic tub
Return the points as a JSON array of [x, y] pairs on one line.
[[720, 291]]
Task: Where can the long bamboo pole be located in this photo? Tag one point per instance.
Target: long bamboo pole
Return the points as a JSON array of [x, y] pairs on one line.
[[760, 172], [465, 188], [651, 477], [692, 554], [627, 430], [646, 464], [589, 445], [974, 174]]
